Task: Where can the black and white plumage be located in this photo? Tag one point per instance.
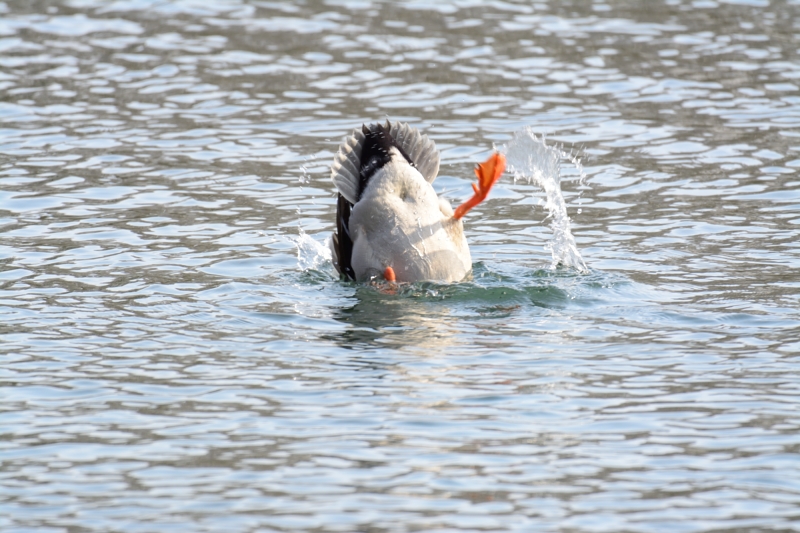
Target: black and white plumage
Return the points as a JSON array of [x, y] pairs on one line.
[[388, 214]]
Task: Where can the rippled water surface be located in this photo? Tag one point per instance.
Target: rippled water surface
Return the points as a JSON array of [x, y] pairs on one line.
[[176, 356]]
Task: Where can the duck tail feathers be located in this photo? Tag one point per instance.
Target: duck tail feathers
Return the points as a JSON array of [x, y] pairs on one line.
[[418, 147], [347, 162]]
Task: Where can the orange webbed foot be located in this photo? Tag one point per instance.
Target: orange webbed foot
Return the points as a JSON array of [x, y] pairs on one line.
[[389, 283], [488, 173]]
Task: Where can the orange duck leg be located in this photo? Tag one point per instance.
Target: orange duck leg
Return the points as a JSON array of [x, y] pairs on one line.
[[488, 173]]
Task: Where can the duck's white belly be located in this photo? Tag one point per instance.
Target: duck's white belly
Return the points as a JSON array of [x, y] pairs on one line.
[[400, 223]]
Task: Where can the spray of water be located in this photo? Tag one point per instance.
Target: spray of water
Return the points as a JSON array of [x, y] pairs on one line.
[[311, 255], [531, 158]]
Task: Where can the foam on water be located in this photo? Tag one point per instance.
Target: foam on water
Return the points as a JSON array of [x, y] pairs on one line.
[[531, 158]]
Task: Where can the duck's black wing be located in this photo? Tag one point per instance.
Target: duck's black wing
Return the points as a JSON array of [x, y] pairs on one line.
[[342, 243]]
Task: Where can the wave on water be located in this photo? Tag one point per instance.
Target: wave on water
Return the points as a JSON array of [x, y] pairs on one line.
[[531, 158]]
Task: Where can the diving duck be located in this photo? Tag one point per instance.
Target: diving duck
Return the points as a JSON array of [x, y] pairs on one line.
[[390, 224]]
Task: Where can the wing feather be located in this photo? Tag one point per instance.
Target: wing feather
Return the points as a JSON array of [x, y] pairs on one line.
[[341, 243]]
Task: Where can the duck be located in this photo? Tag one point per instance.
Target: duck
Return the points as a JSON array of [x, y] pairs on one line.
[[390, 223]]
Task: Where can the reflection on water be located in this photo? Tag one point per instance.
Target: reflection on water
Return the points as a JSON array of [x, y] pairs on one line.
[[392, 321], [168, 364]]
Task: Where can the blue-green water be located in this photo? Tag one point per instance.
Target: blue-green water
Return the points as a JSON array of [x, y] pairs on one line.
[[172, 362]]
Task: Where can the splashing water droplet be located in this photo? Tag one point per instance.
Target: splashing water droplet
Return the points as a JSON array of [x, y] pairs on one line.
[[529, 157], [304, 177], [311, 255]]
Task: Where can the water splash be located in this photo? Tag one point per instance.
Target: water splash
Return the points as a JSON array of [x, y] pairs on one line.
[[305, 177], [530, 157], [311, 255]]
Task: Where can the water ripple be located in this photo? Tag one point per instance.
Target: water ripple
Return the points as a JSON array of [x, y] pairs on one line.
[[169, 364]]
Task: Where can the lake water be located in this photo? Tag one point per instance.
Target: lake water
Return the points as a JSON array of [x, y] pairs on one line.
[[177, 355]]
